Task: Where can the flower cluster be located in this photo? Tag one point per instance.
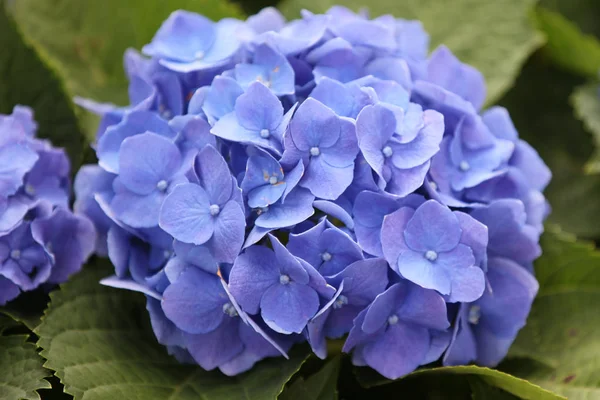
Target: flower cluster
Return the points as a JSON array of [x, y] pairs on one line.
[[41, 241], [274, 182]]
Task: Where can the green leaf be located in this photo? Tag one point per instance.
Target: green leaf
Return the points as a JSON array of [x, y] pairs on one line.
[[26, 79], [493, 36], [492, 378], [586, 102], [561, 336], [322, 385], [87, 38], [99, 342], [482, 391], [558, 347], [566, 263], [21, 366], [584, 13], [567, 45], [538, 104]]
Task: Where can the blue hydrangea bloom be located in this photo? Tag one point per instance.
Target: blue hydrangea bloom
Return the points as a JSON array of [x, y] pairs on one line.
[[400, 330], [278, 284], [485, 329], [397, 147], [326, 144], [325, 247], [424, 246], [357, 286], [41, 241], [273, 182], [190, 42], [258, 119], [207, 211]]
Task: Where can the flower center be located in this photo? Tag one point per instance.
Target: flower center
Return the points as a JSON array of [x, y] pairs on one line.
[[262, 210], [340, 302], [284, 279], [29, 189], [273, 180], [199, 55], [393, 319], [474, 314], [162, 185], [214, 210], [264, 133], [387, 151], [326, 256], [431, 255], [433, 185], [230, 310], [15, 254], [315, 151], [464, 166]]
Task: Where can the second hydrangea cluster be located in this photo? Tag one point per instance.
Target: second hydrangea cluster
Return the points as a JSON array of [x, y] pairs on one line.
[[41, 241], [275, 182]]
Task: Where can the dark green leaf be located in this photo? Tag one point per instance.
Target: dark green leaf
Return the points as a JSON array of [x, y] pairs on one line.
[[22, 371], [567, 45], [561, 337], [566, 263], [493, 378], [539, 106], [482, 391], [586, 101], [584, 13], [28, 308], [320, 386], [28, 80], [494, 36], [98, 341], [87, 38]]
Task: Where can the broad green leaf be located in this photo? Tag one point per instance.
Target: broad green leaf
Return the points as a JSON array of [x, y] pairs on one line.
[[26, 79], [322, 385], [558, 347], [493, 36], [584, 13], [538, 104], [482, 391], [567, 45], [561, 336], [586, 101], [28, 308], [99, 342], [86, 39], [566, 263], [494, 379], [22, 371]]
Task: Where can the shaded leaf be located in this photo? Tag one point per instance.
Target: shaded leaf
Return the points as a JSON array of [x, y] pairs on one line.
[[561, 337], [566, 263], [22, 371], [567, 45], [493, 36], [322, 385], [28, 80], [586, 102], [99, 342], [490, 377], [584, 13], [87, 38], [482, 391]]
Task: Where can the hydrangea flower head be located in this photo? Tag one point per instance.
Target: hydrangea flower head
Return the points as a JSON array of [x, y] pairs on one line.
[[276, 181], [41, 241]]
